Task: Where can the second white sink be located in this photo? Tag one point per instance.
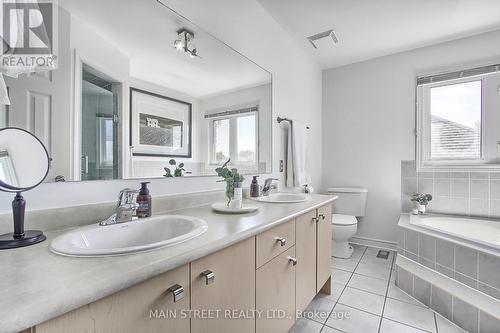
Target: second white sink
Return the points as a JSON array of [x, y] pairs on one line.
[[130, 237], [283, 198]]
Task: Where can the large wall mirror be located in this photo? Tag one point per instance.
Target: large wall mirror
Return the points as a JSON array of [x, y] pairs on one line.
[[136, 86]]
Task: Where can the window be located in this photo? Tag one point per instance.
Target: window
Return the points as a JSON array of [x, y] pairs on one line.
[[235, 137], [458, 120]]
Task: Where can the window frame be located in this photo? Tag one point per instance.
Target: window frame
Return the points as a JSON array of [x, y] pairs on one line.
[[423, 132], [233, 140]]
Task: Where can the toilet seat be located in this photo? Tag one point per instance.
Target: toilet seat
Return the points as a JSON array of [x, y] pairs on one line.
[[343, 220]]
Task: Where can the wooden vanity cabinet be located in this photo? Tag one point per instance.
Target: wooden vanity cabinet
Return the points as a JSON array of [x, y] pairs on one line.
[[147, 308], [278, 272], [305, 248], [323, 247], [223, 282]]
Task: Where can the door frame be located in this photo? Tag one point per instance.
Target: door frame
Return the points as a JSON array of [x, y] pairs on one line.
[[79, 60]]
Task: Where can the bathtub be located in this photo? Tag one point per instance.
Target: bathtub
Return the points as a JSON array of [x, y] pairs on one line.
[[448, 262], [477, 231]]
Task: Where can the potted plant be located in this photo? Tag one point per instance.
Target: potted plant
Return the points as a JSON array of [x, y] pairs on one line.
[[422, 201], [178, 171], [233, 180]]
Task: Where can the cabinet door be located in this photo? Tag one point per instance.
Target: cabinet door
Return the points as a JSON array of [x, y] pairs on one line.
[[324, 245], [305, 247], [273, 242], [148, 307], [233, 288], [275, 295]]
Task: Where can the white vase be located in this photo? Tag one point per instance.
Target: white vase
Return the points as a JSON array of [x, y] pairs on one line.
[[421, 209]]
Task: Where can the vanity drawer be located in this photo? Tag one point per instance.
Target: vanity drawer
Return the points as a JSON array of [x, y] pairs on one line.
[[274, 242], [149, 306]]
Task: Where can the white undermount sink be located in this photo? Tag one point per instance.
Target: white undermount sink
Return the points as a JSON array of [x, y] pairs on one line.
[[130, 237], [283, 198]]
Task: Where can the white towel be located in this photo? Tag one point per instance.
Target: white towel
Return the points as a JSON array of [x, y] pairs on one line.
[[297, 166]]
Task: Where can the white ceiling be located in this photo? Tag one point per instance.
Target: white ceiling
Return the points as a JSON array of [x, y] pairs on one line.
[[145, 31], [372, 28]]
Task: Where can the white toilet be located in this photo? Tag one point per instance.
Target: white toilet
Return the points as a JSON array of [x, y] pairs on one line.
[[350, 204]]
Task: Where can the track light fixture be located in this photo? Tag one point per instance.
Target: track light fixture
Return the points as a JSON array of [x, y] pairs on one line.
[[184, 43]]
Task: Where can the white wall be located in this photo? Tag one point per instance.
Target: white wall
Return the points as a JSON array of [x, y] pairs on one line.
[[368, 122], [247, 27]]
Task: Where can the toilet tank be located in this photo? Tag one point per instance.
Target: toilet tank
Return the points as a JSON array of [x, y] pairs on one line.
[[351, 201]]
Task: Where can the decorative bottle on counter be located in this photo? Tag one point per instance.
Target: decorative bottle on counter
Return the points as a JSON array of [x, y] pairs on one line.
[[237, 201], [144, 201], [255, 188]]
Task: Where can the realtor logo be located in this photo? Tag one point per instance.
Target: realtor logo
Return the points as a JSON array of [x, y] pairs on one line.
[[27, 33]]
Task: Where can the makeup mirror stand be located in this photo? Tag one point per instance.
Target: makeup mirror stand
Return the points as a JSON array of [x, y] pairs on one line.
[[20, 237], [11, 138]]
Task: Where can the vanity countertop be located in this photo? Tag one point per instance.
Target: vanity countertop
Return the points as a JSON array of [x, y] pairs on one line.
[[37, 285]]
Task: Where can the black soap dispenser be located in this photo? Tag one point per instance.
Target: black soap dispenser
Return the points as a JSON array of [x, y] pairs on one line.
[[144, 201], [255, 188]]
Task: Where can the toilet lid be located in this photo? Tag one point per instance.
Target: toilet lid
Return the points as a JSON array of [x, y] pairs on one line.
[[339, 219]]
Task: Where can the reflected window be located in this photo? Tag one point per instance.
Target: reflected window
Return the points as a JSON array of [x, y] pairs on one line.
[[106, 142], [7, 171], [235, 137], [221, 140], [246, 139]]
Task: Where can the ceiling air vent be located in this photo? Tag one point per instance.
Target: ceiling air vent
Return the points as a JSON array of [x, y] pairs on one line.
[[329, 33]]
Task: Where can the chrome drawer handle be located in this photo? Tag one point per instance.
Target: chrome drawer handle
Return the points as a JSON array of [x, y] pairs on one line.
[[315, 219], [292, 260], [209, 277], [281, 240], [322, 216], [177, 291]]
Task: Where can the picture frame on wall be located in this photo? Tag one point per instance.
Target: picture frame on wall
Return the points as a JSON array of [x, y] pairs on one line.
[[159, 125]]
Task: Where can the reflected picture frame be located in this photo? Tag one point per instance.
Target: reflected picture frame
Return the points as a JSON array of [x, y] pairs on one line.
[[160, 126]]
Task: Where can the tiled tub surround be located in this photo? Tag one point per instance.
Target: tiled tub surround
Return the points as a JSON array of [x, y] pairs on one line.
[[457, 279], [48, 285], [459, 193]]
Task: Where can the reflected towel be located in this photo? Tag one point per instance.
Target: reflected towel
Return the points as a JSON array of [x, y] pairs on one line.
[[297, 166]]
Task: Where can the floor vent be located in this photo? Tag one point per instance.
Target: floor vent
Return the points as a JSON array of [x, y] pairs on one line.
[[383, 254]]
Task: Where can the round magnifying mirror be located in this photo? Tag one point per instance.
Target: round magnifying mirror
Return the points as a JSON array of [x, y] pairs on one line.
[[24, 160], [24, 164]]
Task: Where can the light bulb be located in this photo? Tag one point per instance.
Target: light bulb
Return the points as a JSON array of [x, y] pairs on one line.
[[178, 45]]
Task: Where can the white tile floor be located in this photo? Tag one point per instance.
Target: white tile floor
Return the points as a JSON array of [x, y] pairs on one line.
[[365, 299]]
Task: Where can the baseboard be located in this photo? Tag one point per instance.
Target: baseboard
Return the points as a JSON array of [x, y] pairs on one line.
[[372, 242]]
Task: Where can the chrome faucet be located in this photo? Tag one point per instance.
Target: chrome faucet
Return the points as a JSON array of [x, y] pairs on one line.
[[268, 186], [125, 208]]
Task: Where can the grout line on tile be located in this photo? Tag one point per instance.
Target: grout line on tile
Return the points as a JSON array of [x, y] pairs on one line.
[[350, 277], [355, 308], [386, 292], [408, 325]]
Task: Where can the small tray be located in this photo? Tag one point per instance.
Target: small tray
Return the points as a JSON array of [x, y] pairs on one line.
[[222, 207]]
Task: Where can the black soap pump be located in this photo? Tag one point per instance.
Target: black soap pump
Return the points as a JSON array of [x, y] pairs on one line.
[[255, 188], [144, 201]]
